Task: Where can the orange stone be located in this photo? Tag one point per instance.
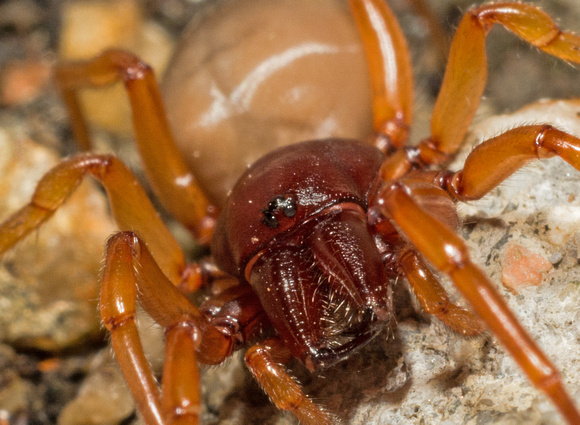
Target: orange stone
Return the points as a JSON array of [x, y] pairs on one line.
[[522, 267]]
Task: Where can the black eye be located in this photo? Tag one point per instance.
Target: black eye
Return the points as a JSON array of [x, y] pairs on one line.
[[269, 219], [287, 205], [275, 203]]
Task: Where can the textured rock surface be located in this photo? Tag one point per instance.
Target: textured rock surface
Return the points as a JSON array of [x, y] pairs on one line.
[[42, 306]]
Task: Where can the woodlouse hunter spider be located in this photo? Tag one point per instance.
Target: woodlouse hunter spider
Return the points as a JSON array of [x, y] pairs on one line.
[[302, 260]]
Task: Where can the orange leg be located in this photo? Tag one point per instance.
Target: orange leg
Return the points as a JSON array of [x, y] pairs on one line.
[[180, 397], [496, 159], [264, 361], [466, 71], [118, 295], [449, 254], [390, 70], [130, 207], [434, 299], [171, 179], [131, 272]]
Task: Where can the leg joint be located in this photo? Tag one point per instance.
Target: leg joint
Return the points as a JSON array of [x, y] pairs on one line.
[[125, 238], [547, 38], [115, 322], [187, 325], [482, 17], [540, 149], [129, 66], [428, 152]]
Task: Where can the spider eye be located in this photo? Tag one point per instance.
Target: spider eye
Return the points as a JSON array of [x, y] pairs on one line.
[[287, 205], [270, 219]]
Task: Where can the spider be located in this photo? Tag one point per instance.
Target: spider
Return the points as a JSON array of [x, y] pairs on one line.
[[305, 246]]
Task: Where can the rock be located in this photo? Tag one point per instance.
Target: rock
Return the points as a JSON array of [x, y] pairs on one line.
[[522, 267], [14, 391], [23, 81], [48, 282], [103, 399]]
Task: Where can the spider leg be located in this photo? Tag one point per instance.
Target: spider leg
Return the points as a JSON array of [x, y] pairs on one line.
[[265, 362], [390, 71], [447, 252], [129, 203], [118, 295], [494, 160], [180, 398], [131, 273], [170, 177], [466, 71], [433, 298]]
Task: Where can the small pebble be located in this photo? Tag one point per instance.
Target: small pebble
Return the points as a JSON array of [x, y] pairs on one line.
[[555, 257], [522, 268], [23, 81]]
